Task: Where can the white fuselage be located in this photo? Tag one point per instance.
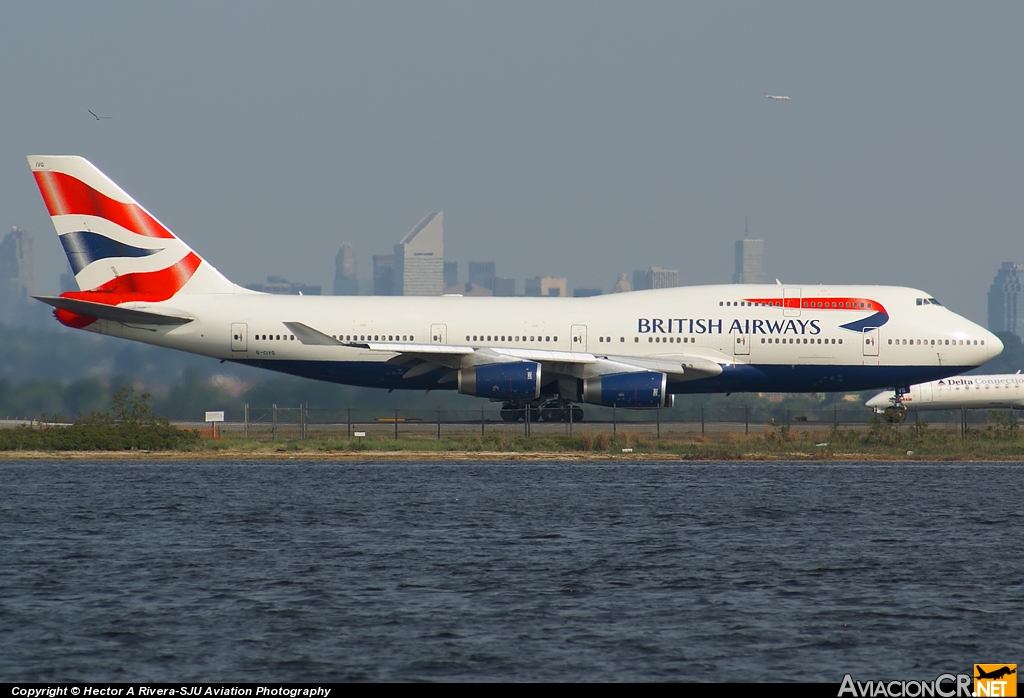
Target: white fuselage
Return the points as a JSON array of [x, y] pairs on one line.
[[963, 392], [767, 337]]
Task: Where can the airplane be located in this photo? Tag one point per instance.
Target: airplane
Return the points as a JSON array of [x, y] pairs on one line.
[[965, 392], [140, 282], [778, 98], [995, 673]]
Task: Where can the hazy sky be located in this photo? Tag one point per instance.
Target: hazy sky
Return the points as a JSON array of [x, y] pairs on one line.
[[569, 139]]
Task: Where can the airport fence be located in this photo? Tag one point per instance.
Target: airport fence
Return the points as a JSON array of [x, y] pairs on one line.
[[278, 422]]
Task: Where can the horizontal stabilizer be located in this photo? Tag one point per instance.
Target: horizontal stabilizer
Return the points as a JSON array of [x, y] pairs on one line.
[[102, 311]]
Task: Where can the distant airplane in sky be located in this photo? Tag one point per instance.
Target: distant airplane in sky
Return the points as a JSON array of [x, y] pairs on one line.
[[777, 97], [108, 117]]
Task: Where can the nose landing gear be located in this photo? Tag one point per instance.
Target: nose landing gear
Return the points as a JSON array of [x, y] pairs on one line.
[[896, 413]]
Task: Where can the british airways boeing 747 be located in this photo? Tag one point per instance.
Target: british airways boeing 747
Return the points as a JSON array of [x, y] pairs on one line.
[[141, 282]]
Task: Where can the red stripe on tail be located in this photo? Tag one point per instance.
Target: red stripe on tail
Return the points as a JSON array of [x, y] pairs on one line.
[[65, 195], [148, 286]]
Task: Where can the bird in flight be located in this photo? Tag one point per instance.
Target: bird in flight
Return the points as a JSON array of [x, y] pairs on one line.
[[109, 117], [777, 98]]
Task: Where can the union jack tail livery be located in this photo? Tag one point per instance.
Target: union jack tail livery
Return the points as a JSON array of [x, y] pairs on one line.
[[118, 251]]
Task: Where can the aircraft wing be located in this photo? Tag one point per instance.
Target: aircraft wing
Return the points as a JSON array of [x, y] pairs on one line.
[[705, 363], [116, 313], [679, 367]]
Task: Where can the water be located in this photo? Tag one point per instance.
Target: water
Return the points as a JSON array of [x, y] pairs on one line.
[[302, 571]]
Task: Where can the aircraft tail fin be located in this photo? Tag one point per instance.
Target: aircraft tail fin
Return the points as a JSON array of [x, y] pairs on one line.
[[117, 250]]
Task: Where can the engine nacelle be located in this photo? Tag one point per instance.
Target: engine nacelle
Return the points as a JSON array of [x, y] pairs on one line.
[[640, 389], [507, 381]]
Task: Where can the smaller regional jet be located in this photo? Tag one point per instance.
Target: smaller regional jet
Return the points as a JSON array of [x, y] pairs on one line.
[[777, 98], [964, 392]]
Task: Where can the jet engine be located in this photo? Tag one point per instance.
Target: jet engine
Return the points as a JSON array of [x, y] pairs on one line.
[[638, 389], [506, 381]]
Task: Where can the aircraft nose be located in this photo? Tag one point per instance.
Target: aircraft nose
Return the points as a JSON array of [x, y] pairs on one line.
[[995, 346], [877, 401]]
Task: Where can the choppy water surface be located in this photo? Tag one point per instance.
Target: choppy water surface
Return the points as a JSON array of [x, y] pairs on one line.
[[522, 571]]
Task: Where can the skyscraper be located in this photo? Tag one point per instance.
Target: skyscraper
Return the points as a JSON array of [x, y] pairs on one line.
[[383, 274], [749, 262], [1005, 313], [662, 278], [482, 274], [640, 280], [17, 275], [451, 274], [622, 285], [346, 281], [546, 286], [419, 259], [652, 277]]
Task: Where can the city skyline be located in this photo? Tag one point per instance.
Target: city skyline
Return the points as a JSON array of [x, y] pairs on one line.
[[628, 136]]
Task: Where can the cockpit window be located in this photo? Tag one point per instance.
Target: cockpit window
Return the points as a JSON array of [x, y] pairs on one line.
[[927, 301]]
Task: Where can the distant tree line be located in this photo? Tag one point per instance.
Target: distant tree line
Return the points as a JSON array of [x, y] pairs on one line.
[[130, 424]]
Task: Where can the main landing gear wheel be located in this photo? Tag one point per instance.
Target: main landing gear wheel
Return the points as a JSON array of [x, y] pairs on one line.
[[550, 411], [559, 411], [511, 412]]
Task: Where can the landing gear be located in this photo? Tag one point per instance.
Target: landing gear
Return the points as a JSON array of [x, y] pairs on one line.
[[512, 412], [896, 413], [552, 410], [559, 410]]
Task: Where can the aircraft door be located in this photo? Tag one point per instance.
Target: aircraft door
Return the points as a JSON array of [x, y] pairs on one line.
[[791, 302], [870, 341], [741, 344], [579, 338], [438, 334], [239, 333]]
